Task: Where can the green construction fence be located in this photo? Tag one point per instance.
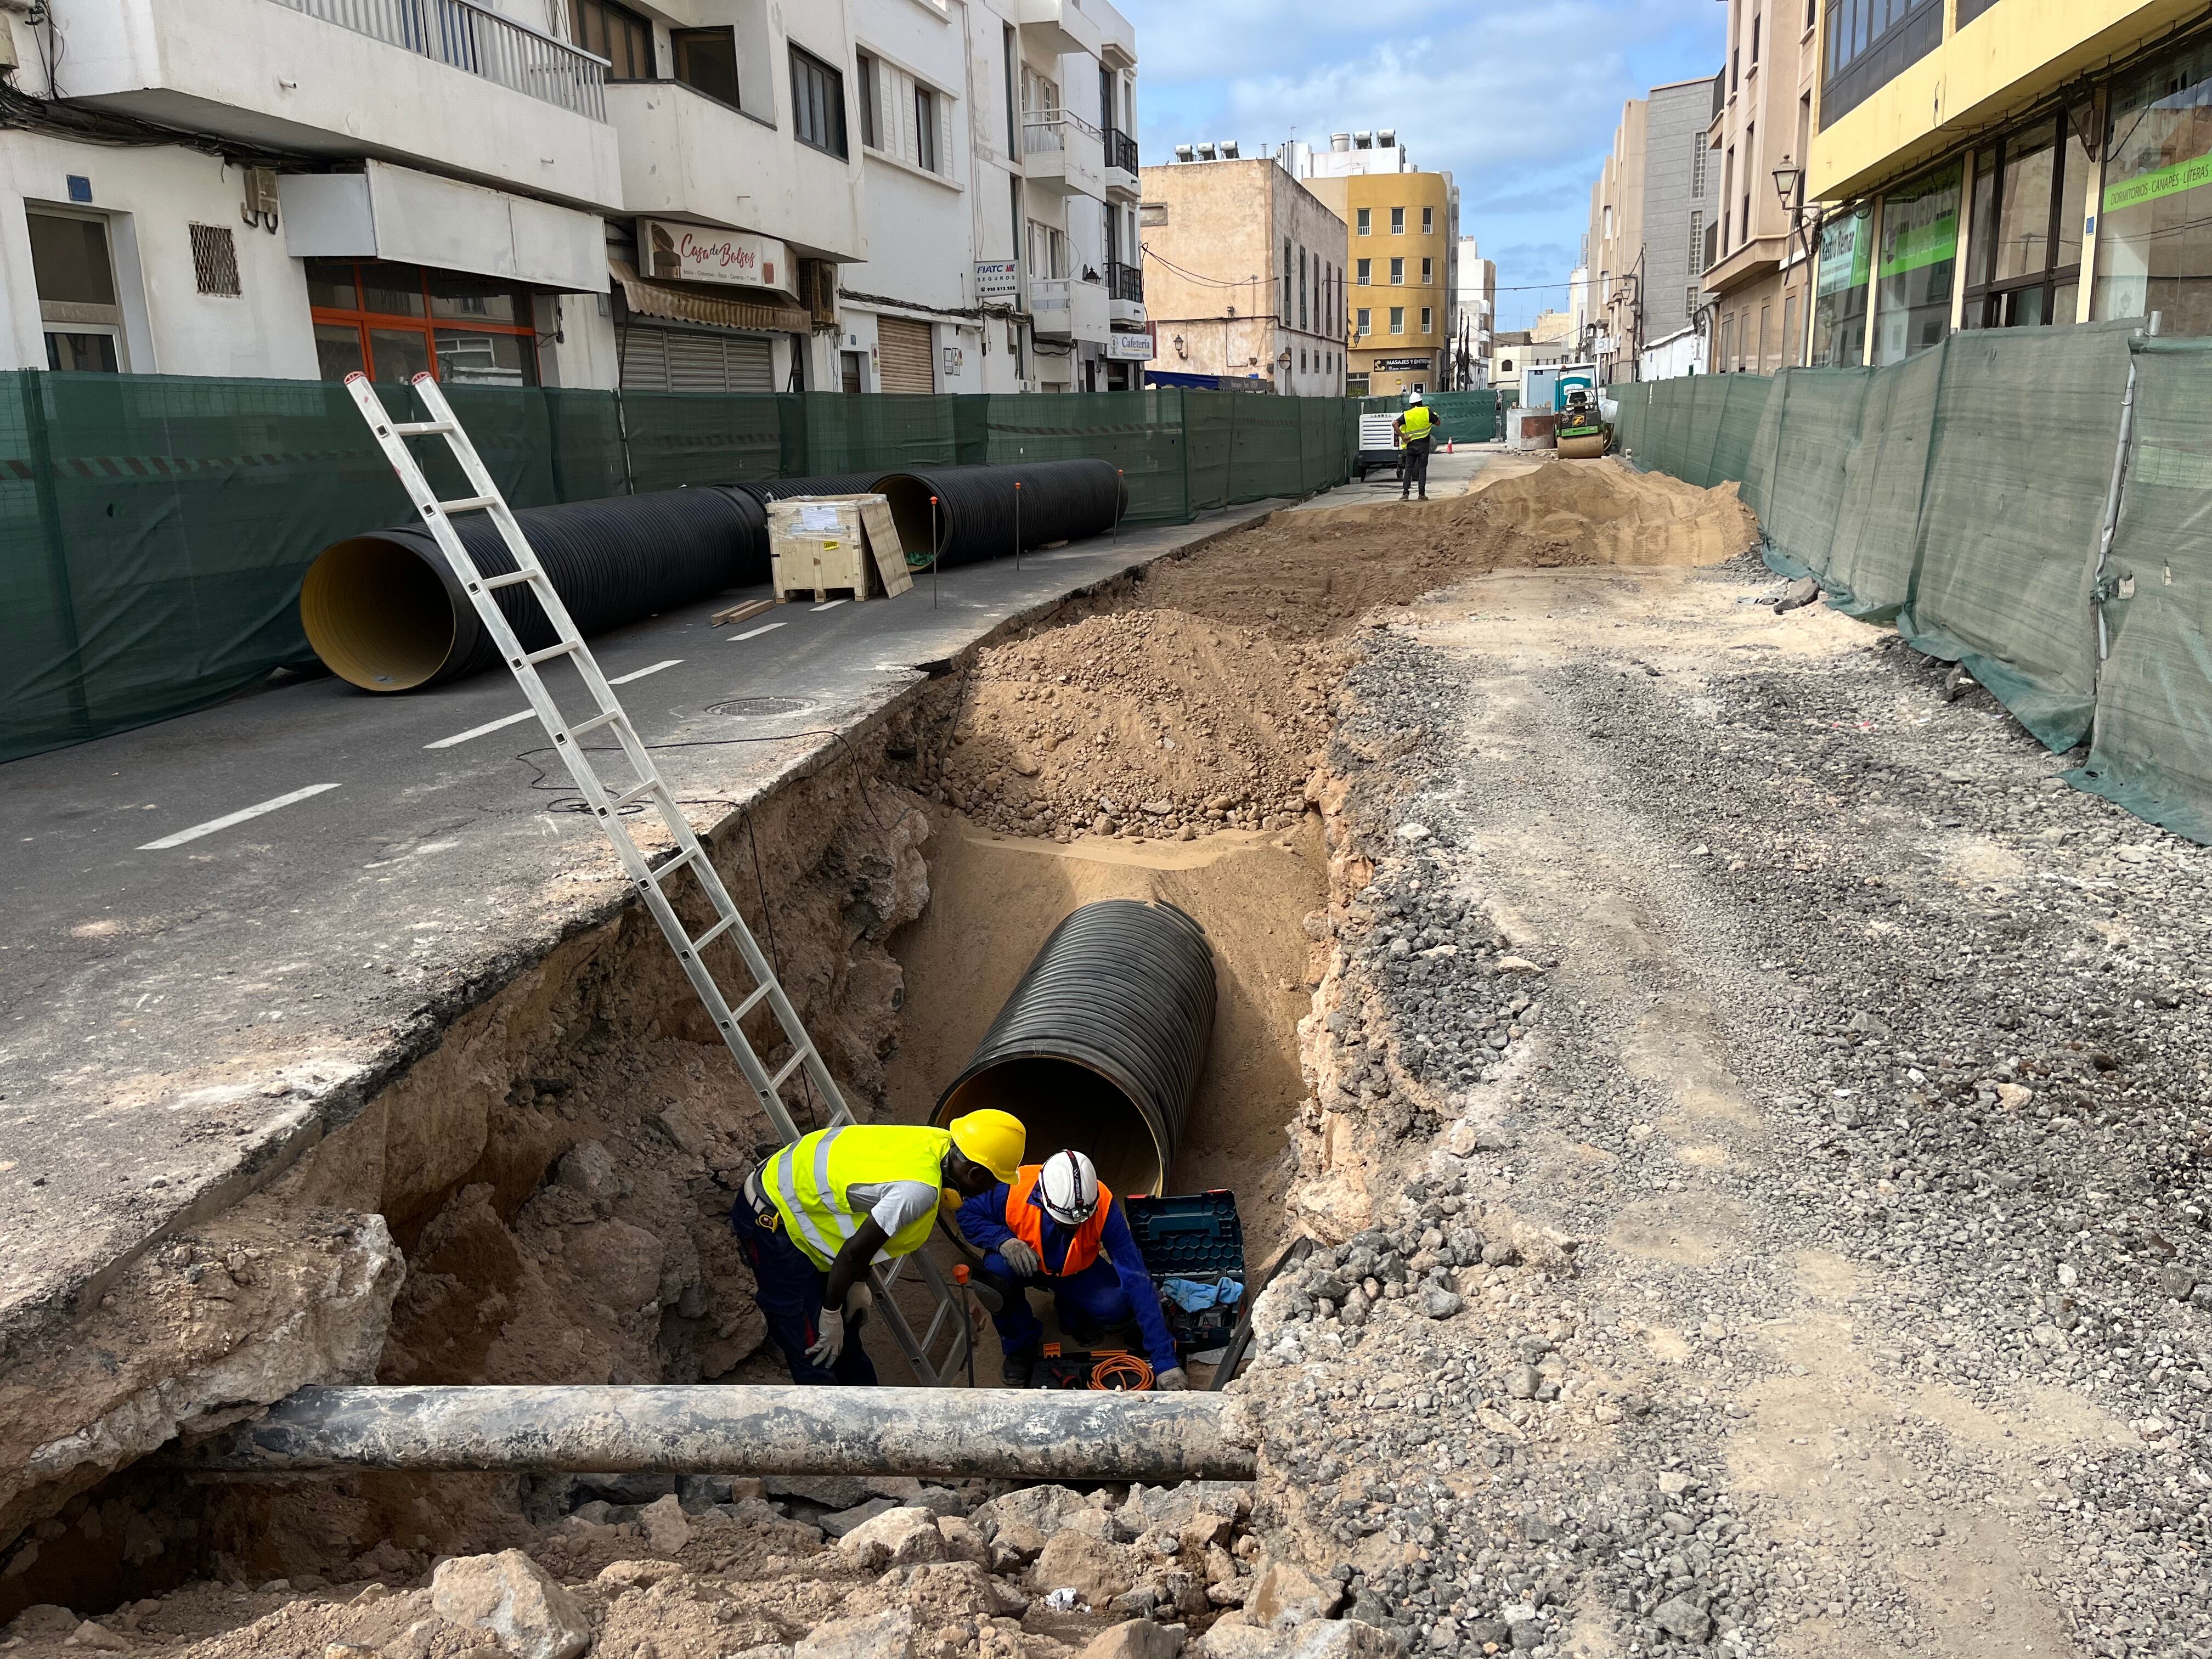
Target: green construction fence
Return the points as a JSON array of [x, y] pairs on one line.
[[1965, 494], [1462, 417], [154, 529]]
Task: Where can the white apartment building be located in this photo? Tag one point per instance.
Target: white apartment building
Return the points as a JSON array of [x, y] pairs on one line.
[[1474, 316], [683, 195]]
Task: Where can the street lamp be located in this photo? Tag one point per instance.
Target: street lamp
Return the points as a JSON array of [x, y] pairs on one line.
[[1787, 182]]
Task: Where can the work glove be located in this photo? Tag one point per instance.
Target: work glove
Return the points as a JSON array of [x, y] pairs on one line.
[[1021, 1259], [1171, 1381], [858, 1300], [831, 1341]]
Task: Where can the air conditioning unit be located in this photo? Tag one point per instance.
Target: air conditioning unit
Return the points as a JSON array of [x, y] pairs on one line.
[[260, 209], [817, 291]]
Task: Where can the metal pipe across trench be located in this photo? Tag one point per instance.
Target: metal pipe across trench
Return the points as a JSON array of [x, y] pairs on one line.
[[955, 1433]]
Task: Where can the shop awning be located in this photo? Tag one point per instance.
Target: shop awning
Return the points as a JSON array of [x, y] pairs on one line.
[[683, 303]]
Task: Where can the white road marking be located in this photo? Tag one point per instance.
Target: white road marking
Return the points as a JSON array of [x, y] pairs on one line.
[[769, 627], [514, 719], [832, 606], [229, 819], [478, 730]]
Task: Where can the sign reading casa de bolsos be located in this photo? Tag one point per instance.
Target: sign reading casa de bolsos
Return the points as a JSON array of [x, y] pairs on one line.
[[700, 253]]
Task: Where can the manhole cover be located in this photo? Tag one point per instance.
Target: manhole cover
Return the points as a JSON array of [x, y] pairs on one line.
[[762, 708]]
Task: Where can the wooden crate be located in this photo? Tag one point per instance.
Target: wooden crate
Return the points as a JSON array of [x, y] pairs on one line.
[[825, 546]]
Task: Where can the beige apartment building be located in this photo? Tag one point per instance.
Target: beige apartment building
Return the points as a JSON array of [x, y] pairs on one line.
[[1648, 212], [1757, 263], [1243, 274]]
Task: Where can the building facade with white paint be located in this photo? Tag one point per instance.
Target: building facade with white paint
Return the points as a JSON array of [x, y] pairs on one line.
[[700, 195]]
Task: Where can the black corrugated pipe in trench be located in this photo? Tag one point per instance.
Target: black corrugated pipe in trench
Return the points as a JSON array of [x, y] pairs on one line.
[[386, 612], [1099, 1048], [1061, 502]]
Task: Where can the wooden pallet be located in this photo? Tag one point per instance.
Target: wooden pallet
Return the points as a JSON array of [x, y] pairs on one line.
[[819, 595]]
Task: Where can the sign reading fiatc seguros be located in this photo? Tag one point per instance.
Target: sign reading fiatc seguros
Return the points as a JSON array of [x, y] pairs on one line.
[[701, 253]]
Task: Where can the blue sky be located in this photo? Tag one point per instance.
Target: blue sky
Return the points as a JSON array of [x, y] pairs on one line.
[[1516, 98]]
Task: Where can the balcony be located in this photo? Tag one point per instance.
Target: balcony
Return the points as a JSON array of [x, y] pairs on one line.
[[1062, 308], [1125, 293], [1064, 154], [446, 83], [1122, 164], [689, 156], [1062, 27]]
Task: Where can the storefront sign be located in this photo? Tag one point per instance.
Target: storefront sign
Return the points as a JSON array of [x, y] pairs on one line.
[[1402, 365], [1128, 348], [1846, 252], [2166, 181], [1920, 224], [997, 279], [696, 253]]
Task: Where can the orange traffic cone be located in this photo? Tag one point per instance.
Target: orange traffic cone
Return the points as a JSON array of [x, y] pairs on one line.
[[1448, 445]]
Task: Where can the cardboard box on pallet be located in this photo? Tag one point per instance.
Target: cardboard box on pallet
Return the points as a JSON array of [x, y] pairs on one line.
[[847, 546]]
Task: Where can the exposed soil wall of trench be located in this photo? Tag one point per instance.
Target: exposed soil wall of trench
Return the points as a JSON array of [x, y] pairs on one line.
[[544, 1198]]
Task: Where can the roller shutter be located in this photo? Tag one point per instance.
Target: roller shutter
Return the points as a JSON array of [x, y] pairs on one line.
[[681, 360], [903, 353]]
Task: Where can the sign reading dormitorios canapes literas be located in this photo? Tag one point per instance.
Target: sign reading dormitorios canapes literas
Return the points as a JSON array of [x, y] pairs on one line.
[[702, 254]]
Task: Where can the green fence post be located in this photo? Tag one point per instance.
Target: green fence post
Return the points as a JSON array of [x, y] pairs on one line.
[[49, 521], [1182, 422]]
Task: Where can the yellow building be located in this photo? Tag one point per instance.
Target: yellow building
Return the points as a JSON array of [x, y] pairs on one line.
[[2007, 163], [1402, 231]]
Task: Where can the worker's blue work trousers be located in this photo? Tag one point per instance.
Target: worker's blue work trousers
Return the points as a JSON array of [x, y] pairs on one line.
[[1089, 1302], [789, 1288]]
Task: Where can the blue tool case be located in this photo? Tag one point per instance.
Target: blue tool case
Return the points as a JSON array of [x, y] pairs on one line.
[[1197, 1237]]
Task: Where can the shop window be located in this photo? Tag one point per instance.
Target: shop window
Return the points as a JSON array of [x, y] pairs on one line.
[[817, 102], [1915, 265], [618, 34], [1839, 303], [1869, 44], [2024, 240], [393, 321], [707, 61], [2155, 238], [74, 268]]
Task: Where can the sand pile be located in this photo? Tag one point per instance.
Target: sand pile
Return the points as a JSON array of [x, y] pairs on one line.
[[1312, 574], [1143, 721]]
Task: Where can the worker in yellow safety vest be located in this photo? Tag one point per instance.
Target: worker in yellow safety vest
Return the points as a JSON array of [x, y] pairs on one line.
[[814, 1216], [1416, 431]]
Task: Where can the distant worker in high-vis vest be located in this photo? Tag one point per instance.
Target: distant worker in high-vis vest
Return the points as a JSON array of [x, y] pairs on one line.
[[1417, 434], [1053, 1227], [818, 1213]]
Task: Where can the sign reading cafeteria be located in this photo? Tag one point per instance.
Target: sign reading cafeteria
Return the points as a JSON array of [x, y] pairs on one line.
[[699, 253]]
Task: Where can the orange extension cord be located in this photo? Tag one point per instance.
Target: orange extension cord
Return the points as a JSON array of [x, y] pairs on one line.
[[1122, 1371]]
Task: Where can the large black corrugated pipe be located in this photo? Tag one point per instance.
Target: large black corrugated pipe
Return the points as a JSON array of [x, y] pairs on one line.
[[829, 484], [1061, 502], [1099, 1048], [386, 612]]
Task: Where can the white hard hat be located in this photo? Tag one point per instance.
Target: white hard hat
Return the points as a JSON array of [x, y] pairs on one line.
[[1411, 401], [1068, 1185]]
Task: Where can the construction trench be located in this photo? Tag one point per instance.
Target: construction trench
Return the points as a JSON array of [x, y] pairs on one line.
[[541, 1201]]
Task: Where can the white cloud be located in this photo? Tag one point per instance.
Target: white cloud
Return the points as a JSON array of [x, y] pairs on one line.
[[1516, 98]]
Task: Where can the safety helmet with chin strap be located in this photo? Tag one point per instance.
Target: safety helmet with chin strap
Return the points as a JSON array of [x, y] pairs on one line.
[[1068, 1189], [1413, 399]]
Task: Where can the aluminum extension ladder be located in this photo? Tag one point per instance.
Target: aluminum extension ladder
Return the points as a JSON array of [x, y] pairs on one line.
[[608, 802]]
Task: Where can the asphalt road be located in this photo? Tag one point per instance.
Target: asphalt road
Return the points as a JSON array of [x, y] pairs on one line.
[[224, 930]]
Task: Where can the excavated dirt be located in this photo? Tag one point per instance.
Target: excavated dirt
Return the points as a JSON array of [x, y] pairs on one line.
[[557, 1174]]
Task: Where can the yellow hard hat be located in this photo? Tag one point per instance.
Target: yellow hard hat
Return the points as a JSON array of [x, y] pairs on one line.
[[993, 1140]]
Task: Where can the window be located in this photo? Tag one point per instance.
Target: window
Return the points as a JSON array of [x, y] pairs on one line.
[[1428, 222], [1839, 296], [1690, 297], [925, 129], [1698, 239], [1305, 318], [1366, 270], [2024, 243], [214, 260], [818, 103], [1970, 9], [1914, 265], [1047, 250], [2154, 240], [1428, 321], [1397, 320], [1755, 20], [1728, 344], [1013, 113], [1397, 222], [1791, 345], [1750, 168], [1605, 233], [707, 61], [1869, 43], [74, 275], [1366, 221], [1428, 273], [1700, 155], [871, 100], [393, 321], [618, 34], [1397, 273], [1365, 323]]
